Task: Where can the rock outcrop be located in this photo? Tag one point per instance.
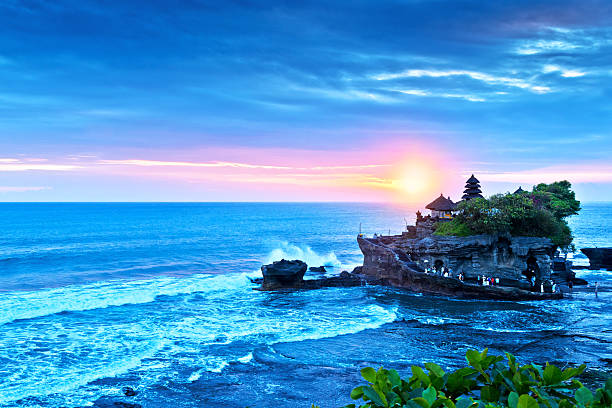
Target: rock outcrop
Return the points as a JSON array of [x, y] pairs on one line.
[[345, 279], [283, 274], [402, 261], [599, 258]]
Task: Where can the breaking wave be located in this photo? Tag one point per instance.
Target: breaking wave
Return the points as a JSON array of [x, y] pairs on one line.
[[304, 253], [27, 305], [106, 329]]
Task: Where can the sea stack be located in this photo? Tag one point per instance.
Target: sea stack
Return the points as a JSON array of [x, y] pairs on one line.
[[283, 274]]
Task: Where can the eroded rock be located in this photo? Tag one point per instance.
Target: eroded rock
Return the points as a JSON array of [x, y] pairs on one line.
[[401, 261], [283, 274]]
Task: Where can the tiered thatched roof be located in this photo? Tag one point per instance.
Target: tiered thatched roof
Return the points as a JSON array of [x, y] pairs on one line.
[[472, 189]]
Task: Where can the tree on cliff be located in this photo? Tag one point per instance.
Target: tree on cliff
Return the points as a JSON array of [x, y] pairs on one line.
[[539, 213]]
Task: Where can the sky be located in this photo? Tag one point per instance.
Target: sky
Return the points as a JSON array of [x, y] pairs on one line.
[[392, 101]]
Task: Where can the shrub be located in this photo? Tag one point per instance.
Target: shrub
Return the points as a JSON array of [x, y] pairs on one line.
[[487, 382], [453, 227]]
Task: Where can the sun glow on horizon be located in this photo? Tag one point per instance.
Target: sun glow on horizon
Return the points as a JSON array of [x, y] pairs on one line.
[[416, 180]]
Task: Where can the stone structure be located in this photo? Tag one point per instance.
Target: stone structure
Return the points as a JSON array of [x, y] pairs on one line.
[[504, 257], [421, 261], [402, 261]]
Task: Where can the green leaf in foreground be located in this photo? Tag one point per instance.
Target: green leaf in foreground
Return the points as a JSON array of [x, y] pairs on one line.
[[369, 374], [584, 396], [490, 382]]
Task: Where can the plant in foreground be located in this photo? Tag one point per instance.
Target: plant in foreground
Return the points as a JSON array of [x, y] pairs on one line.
[[487, 382]]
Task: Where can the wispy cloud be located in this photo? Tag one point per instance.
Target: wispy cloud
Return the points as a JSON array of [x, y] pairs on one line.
[[11, 164], [556, 40], [421, 92], [478, 76], [541, 46], [13, 189], [158, 163], [567, 73], [573, 173]]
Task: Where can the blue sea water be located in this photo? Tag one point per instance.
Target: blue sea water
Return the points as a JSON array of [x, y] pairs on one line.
[[95, 297]]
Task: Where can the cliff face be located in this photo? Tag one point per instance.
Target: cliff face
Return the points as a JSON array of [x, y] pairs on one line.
[[401, 261]]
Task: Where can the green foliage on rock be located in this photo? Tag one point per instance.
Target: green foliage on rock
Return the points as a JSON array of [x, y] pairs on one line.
[[487, 382], [453, 227], [539, 213]]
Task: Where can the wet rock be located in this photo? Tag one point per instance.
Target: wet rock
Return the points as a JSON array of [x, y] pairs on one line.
[[129, 392], [283, 274], [345, 280], [109, 402], [599, 258], [318, 269], [393, 263], [580, 282]]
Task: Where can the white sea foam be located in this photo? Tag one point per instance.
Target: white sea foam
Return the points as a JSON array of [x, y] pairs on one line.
[[28, 305], [246, 359], [117, 325], [304, 253]]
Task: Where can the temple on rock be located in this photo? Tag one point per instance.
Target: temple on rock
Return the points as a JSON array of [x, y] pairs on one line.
[[442, 208], [485, 266]]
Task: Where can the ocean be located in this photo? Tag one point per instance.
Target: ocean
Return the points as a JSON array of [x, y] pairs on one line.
[[157, 296]]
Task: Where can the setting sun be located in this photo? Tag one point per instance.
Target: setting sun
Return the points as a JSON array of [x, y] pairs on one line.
[[416, 180]]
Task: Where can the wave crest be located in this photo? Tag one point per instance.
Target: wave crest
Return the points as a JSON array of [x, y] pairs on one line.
[[304, 253]]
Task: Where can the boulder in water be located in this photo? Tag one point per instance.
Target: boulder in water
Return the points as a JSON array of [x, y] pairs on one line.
[[318, 269], [283, 274], [599, 258]]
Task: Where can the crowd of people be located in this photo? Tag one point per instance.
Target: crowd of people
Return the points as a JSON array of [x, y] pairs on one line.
[[491, 281]]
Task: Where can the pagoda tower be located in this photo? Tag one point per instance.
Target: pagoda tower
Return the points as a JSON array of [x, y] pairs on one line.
[[472, 189]]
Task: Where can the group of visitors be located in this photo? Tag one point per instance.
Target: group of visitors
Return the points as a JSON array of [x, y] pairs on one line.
[[487, 280], [542, 286], [446, 272]]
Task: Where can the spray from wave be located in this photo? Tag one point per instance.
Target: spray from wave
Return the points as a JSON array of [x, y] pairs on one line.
[[304, 253]]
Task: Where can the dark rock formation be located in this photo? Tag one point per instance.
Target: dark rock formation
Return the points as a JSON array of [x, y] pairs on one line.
[[129, 392], [345, 279], [317, 269], [283, 274], [599, 258], [401, 261], [109, 402]]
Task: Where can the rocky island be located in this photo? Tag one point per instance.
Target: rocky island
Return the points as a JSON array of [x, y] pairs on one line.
[[498, 248], [506, 247]]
